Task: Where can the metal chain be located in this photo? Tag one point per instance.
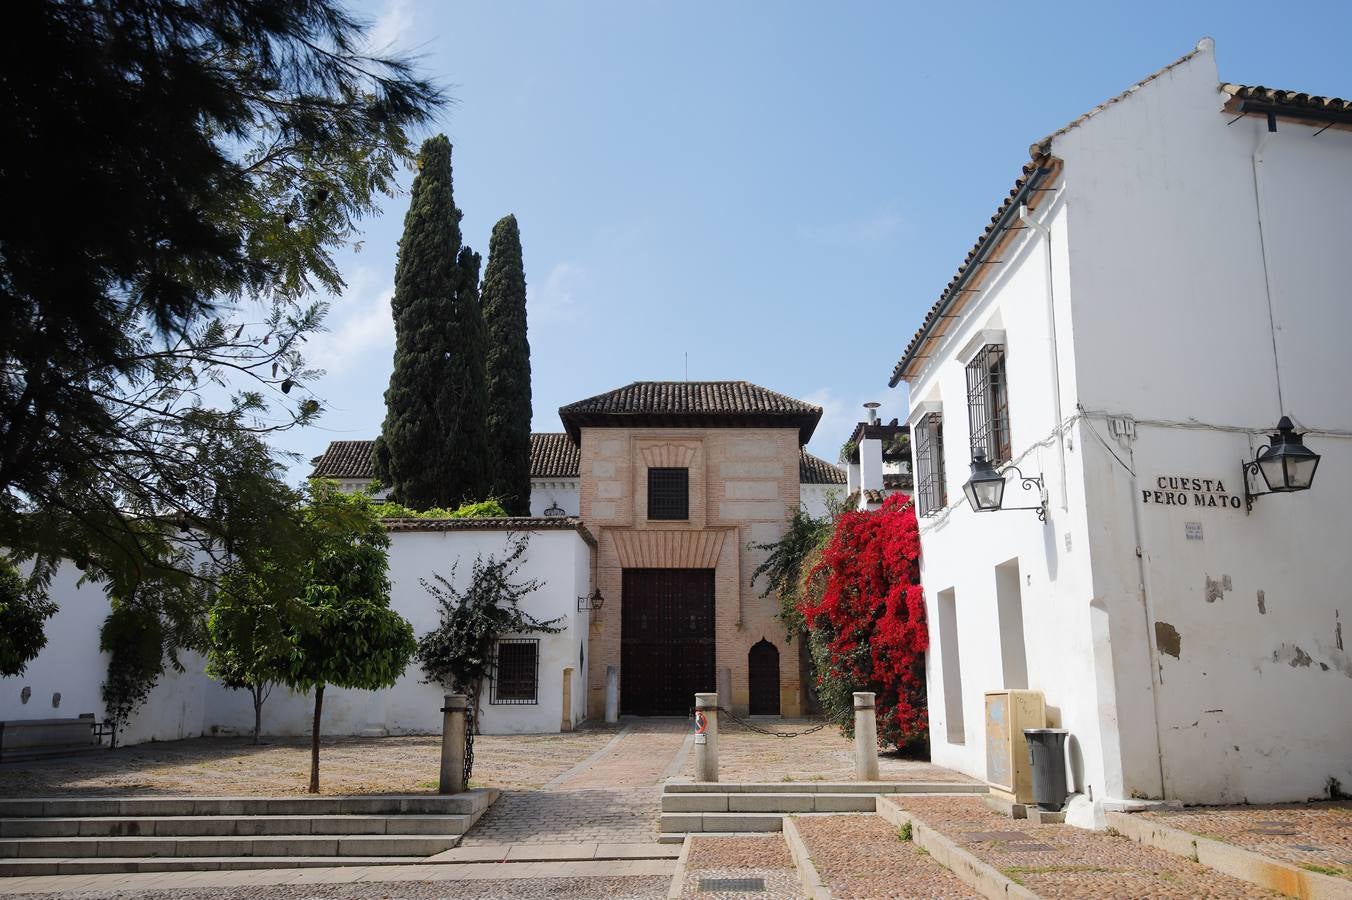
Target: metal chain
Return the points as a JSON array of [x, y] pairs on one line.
[[754, 727]]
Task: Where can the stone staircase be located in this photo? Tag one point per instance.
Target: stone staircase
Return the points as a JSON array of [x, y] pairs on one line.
[[725, 808], [66, 836]]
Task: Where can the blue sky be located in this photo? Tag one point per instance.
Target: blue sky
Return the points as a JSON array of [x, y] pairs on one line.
[[778, 190]]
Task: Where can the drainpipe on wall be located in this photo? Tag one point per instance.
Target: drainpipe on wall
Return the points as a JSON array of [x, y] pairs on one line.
[[1027, 218]]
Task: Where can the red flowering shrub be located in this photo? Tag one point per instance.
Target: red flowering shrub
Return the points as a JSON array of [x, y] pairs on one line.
[[866, 611]]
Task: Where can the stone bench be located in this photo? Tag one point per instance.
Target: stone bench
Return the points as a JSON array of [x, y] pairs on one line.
[[33, 738]]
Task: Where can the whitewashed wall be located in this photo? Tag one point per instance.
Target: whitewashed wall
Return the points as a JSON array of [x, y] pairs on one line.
[[189, 704], [816, 498], [562, 492], [1162, 318], [559, 559]]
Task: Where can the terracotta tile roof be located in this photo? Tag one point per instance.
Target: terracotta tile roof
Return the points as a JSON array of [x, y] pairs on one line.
[[696, 404], [1245, 98], [897, 481], [554, 455], [502, 523], [345, 459], [815, 470], [1025, 191]]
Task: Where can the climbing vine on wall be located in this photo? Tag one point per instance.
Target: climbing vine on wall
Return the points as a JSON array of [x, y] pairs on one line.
[[865, 612]]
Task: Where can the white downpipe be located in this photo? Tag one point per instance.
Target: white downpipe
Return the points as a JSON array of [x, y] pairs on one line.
[[1027, 218]]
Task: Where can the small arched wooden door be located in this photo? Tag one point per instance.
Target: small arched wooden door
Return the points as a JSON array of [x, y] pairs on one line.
[[763, 669]]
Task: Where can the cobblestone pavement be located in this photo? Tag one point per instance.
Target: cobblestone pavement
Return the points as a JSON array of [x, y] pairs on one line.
[[612, 796], [864, 857], [745, 755], [723, 859], [230, 766], [1317, 836], [1065, 861]]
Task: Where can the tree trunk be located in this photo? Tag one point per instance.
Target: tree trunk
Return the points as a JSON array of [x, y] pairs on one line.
[[257, 691], [314, 741]]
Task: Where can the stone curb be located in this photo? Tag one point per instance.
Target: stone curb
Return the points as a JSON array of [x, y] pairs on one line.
[[1246, 865], [808, 876], [678, 877], [983, 878]]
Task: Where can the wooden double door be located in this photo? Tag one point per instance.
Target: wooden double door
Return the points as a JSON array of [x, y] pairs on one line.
[[666, 640]]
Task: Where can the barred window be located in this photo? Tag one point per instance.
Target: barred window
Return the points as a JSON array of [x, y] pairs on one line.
[[516, 671], [668, 494], [988, 404], [931, 494]]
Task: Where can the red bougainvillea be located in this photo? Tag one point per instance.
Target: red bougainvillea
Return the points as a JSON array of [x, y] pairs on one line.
[[868, 605]]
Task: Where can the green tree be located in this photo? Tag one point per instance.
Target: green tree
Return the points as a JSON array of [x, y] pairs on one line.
[[23, 612], [250, 627], [508, 367], [432, 449], [347, 634], [183, 173], [459, 653]]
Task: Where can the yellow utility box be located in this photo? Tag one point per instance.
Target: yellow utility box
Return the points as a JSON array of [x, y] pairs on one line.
[[1008, 769]]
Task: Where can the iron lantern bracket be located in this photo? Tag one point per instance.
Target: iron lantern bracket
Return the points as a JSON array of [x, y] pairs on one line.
[[1028, 483], [1249, 467]]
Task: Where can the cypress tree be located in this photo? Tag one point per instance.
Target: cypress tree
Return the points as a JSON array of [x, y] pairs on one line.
[[508, 366], [432, 449]]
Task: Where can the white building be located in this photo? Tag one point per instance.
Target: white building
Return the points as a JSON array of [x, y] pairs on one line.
[[1165, 281], [542, 684]]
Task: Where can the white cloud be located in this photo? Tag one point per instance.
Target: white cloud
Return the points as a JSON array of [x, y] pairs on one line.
[[865, 231], [390, 27], [554, 301], [359, 323]]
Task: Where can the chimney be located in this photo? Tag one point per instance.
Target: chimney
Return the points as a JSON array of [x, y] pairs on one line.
[[872, 407]]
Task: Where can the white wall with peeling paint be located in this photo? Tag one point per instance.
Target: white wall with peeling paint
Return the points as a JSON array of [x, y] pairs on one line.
[[1167, 369]]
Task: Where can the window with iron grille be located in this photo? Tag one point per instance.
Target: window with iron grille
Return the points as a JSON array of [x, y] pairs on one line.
[[516, 671], [931, 495], [668, 493], [988, 404]]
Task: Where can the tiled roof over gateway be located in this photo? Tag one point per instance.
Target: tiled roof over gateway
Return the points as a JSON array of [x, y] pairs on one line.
[[552, 455], [694, 404]]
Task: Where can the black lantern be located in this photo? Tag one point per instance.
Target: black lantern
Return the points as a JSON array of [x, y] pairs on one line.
[[592, 602], [1286, 464], [985, 489]]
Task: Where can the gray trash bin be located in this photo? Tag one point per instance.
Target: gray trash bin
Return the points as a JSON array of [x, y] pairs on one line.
[[1047, 752]]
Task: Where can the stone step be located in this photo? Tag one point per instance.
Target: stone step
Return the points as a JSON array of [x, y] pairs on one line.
[[767, 802], [15, 868], [218, 846], [824, 787], [232, 826], [721, 822], [467, 803]]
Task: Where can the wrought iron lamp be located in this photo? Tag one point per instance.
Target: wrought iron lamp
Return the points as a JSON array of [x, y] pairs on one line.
[[592, 602], [985, 489], [1286, 464]]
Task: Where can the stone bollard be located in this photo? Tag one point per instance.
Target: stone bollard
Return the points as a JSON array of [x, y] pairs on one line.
[[865, 737], [453, 744], [612, 694], [706, 742]]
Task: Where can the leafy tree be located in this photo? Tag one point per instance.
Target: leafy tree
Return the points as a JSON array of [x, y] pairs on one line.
[[508, 368], [23, 611], [347, 635], [783, 567], [250, 628], [432, 449], [177, 177], [459, 653]]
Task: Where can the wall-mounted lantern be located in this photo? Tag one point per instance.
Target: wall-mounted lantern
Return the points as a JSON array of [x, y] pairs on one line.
[[985, 490], [592, 602], [1286, 464]]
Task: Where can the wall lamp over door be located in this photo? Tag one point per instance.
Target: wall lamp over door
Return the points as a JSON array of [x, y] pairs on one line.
[[985, 490], [1286, 464]]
